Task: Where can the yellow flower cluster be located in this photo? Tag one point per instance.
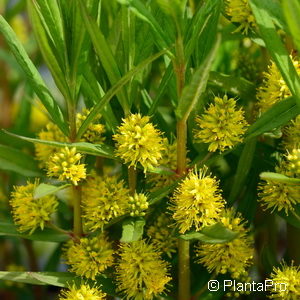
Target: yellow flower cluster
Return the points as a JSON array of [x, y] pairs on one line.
[[161, 236], [288, 278], [292, 134], [94, 132], [279, 195], [66, 165], [90, 256], [29, 212], [138, 141], [197, 201], [233, 257], [103, 198], [138, 203], [294, 161], [239, 11], [141, 273], [222, 125], [84, 292], [274, 88]]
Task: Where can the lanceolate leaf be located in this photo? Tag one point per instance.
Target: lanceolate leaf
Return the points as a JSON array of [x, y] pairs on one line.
[[214, 234], [47, 235], [88, 148], [104, 52], [291, 9], [276, 48], [17, 161], [44, 189], [33, 75], [278, 115], [244, 165], [143, 13], [191, 93], [276, 177], [59, 279]]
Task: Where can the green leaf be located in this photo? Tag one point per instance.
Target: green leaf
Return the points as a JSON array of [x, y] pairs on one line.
[[275, 46], [33, 75], [291, 10], [214, 234], [44, 189], [17, 161], [132, 230], [244, 166], [105, 54], [278, 115], [234, 85], [191, 93], [47, 45], [113, 90], [46, 235], [88, 148], [276, 177], [59, 279], [160, 38]]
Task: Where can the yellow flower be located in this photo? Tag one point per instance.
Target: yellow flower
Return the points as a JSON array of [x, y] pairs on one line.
[[66, 165], [29, 212], [294, 161], [197, 201], [141, 273], [233, 257], [138, 141], [287, 279], [90, 256], [239, 11], [50, 133], [161, 235], [94, 132], [84, 292], [137, 204], [274, 88], [103, 198], [222, 125], [291, 138], [279, 195]]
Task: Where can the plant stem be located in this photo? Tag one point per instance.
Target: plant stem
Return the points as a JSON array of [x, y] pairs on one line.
[[183, 246], [132, 179], [77, 211]]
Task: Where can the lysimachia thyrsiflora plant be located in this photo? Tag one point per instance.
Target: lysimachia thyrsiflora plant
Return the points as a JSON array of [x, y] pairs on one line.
[[148, 147]]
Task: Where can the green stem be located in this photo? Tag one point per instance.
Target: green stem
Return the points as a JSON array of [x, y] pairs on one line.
[[132, 179], [78, 231], [183, 246], [58, 229]]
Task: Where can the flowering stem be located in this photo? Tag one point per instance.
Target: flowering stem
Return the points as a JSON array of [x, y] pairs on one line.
[[58, 229], [132, 179], [77, 211], [183, 246]]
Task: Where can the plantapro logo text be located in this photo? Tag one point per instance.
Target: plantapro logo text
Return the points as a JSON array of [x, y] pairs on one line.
[[235, 286]]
